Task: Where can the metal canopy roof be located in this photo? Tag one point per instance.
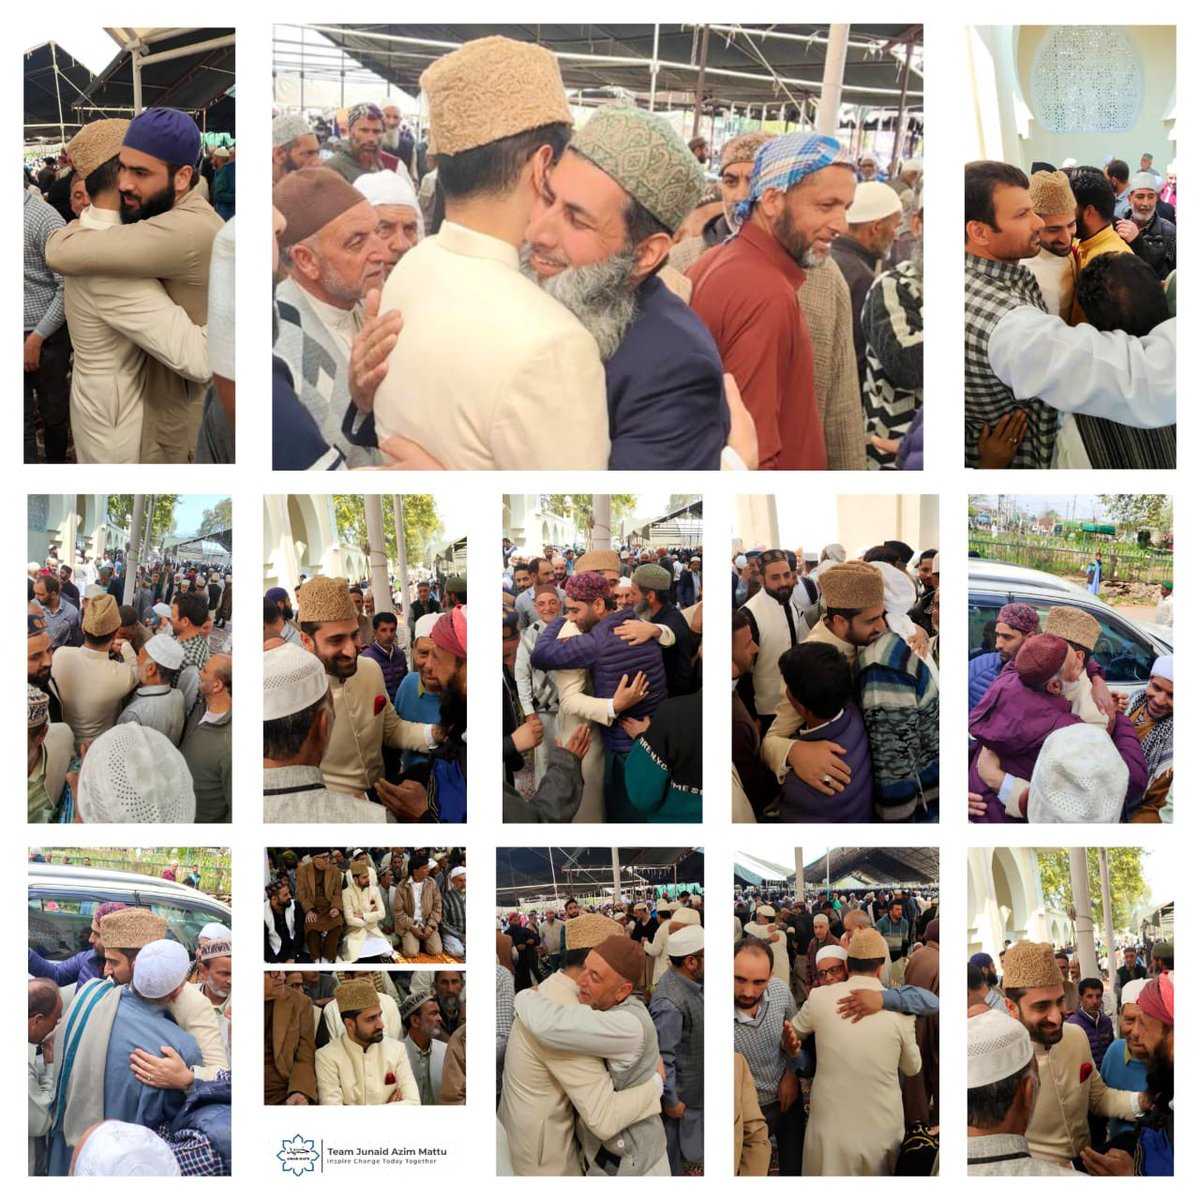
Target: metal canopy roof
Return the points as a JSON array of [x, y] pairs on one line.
[[877, 864], [199, 83], [749, 869], [54, 79], [591, 866], [745, 64]]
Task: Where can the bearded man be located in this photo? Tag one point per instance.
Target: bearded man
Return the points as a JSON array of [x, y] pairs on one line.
[[1152, 237], [777, 624], [363, 1065], [360, 152], [294, 146], [1014, 623], [1054, 267]]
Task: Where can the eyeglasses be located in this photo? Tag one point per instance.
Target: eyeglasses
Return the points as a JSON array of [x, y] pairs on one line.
[[829, 973]]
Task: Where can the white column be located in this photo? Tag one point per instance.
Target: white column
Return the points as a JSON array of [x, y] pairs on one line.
[[332, 563], [601, 532], [401, 559], [381, 589], [1109, 940], [616, 868], [1081, 898], [283, 555], [135, 546], [831, 81]]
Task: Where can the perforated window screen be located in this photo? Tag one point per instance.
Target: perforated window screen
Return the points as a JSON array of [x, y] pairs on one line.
[[1086, 79]]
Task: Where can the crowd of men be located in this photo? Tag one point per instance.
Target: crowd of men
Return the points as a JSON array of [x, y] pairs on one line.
[[1068, 1074], [364, 1037], [129, 244], [602, 686], [600, 1038], [1051, 741], [1070, 316], [835, 684], [129, 1051], [836, 1032], [350, 732], [130, 705], [370, 905], [626, 310]]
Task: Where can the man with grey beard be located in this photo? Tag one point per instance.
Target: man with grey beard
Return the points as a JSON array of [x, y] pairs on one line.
[[893, 324], [596, 243]]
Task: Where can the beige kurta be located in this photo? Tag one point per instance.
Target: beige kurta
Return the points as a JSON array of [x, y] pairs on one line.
[[856, 1075], [354, 757], [176, 248], [781, 967], [545, 1088], [91, 686], [1058, 1129], [194, 1012], [348, 1074], [490, 372], [751, 1139], [364, 911]]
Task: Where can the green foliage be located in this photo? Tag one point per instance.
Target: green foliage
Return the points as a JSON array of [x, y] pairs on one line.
[[1141, 512], [120, 513], [578, 508], [215, 862], [1127, 884], [219, 517], [422, 525]]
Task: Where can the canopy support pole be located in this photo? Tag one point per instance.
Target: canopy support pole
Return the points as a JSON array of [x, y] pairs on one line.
[[831, 81], [654, 69], [699, 106], [902, 115]]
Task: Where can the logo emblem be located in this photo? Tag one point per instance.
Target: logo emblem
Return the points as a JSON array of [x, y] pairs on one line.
[[298, 1155]]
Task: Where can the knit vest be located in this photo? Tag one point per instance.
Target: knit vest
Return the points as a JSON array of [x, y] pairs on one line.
[[992, 289], [689, 1054], [642, 1144]]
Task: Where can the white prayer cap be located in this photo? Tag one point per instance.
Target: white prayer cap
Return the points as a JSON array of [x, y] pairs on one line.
[[937, 563], [912, 164], [997, 1046], [94, 591], [834, 951], [214, 931], [33, 568], [387, 187], [835, 552], [624, 582], [820, 917], [160, 967], [134, 774], [122, 1148], [899, 591], [287, 128], [764, 910], [1080, 776], [293, 680], [1144, 179], [688, 940], [457, 872], [740, 561], [1068, 163], [1131, 991], [1164, 667], [425, 624], [873, 201], [165, 651], [161, 610]]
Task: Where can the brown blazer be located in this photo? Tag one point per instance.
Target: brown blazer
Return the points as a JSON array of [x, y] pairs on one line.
[[292, 1043], [431, 906], [319, 895], [751, 1142], [454, 1069]]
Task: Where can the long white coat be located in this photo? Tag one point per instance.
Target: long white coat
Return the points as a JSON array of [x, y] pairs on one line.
[[346, 1074], [856, 1075], [490, 372]]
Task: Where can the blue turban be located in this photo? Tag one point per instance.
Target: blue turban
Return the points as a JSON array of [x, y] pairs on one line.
[[784, 161]]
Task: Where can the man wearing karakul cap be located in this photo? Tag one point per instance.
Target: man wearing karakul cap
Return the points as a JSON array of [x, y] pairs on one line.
[[158, 702], [1055, 267], [334, 256], [531, 392], [297, 725], [1002, 1087], [630, 176], [745, 291], [118, 323], [612, 1023], [1071, 1087], [363, 1065], [168, 231]]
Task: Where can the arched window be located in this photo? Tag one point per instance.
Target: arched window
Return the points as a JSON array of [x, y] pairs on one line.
[[1086, 79]]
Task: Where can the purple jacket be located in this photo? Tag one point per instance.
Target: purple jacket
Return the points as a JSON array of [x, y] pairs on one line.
[[1099, 1030], [1014, 721], [394, 669], [608, 658], [799, 802], [911, 455]]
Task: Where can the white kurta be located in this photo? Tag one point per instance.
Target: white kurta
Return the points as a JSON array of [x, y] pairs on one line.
[[1056, 278], [364, 912], [489, 372], [348, 1074], [856, 1079]]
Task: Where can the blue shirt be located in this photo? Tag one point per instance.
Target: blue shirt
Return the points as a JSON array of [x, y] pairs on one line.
[[1125, 1074], [413, 703]]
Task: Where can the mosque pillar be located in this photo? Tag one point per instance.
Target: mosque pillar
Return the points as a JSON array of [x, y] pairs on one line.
[[600, 537], [831, 81], [135, 545], [283, 555], [381, 588], [401, 559], [1081, 900]]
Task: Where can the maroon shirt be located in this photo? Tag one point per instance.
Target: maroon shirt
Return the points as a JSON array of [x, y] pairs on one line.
[[745, 292]]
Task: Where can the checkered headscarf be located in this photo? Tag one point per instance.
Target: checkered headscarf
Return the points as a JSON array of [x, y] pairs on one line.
[[359, 111], [782, 162]]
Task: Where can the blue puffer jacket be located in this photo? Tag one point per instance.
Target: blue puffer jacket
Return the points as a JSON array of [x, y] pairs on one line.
[[799, 802], [981, 674], [206, 1107], [608, 658]]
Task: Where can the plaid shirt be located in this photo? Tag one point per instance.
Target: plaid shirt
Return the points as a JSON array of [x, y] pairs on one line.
[[196, 651], [992, 288], [757, 1039], [44, 309]]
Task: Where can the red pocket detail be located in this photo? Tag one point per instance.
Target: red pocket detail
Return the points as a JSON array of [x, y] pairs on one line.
[[389, 1078], [1084, 1071], [380, 701]]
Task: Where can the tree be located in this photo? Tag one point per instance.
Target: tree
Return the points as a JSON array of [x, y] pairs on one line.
[[1127, 884], [422, 525], [120, 513], [1141, 512], [217, 518], [579, 507]]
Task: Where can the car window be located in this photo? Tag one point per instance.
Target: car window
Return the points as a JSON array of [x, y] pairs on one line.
[[1124, 656], [60, 927]]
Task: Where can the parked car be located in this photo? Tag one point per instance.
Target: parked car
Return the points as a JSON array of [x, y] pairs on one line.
[[1126, 649], [62, 900]]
